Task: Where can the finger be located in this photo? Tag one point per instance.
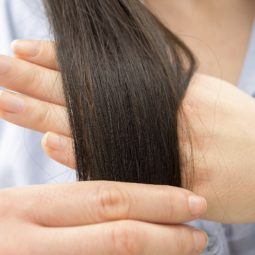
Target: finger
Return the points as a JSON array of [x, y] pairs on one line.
[[60, 148], [34, 114], [99, 201], [38, 52], [31, 79], [122, 237]]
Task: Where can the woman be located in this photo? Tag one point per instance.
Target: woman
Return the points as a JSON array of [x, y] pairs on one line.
[[125, 129], [234, 95], [24, 201]]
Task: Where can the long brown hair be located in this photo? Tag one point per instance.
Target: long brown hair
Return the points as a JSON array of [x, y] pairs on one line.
[[124, 77]]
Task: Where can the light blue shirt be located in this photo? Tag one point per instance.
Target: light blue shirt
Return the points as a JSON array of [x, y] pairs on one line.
[[23, 162]]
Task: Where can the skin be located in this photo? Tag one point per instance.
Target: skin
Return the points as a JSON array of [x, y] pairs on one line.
[[220, 120], [216, 31], [97, 218], [217, 150], [222, 154], [94, 218], [116, 234], [179, 238]]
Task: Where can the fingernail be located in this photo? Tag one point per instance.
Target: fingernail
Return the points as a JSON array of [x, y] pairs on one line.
[[9, 102], [200, 240], [25, 48], [5, 64], [55, 141], [197, 205]]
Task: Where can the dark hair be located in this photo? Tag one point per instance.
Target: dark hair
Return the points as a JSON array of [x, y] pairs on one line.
[[124, 77]]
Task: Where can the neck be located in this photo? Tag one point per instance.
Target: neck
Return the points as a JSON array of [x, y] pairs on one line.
[[197, 11], [212, 29]]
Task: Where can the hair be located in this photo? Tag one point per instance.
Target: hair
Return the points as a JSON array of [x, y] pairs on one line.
[[124, 77]]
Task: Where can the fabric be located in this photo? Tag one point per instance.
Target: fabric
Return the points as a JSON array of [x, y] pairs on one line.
[[22, 161]]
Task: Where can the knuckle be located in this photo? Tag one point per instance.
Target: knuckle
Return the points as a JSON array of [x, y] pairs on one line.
[[112, 202], [44, 115], [183, 241], [125, 239], [33, 78], [176, 206]]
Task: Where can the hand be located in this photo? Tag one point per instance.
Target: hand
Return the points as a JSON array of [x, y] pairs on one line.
[[220, 119], [99, 218], [96, 217], [40, 104], [221, 123]]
